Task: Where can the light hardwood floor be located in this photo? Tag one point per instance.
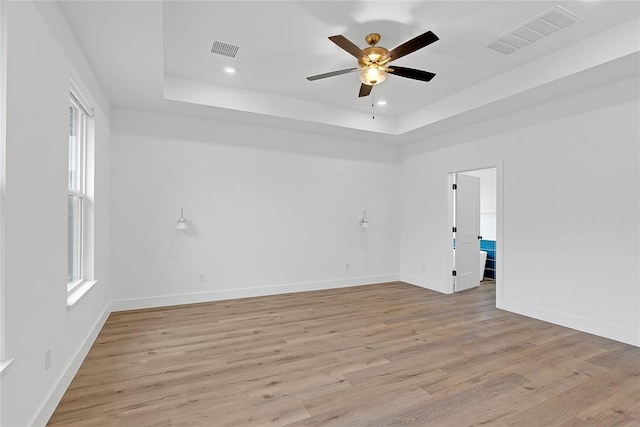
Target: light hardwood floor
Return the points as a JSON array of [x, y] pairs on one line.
[[379, 355]]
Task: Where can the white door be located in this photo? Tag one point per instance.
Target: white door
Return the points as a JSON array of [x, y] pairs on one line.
[[467, 232]]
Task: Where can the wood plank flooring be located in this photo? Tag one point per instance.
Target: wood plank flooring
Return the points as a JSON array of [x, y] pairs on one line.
[[379, 355]]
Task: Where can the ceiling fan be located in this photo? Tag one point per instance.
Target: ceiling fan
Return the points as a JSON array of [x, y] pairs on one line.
[[373, 61]]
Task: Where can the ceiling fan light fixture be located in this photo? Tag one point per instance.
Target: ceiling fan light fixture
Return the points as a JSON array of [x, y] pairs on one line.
[[373, 60], [373, 74]]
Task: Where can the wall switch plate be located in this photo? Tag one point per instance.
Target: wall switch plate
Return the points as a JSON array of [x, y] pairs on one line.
[[347, 267], [202, 278], [47, 359]]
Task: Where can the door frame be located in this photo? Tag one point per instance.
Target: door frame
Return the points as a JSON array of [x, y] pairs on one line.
[[448, 235]]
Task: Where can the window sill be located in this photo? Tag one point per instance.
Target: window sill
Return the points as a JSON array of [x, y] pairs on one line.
[[74, 295], [5, 364]]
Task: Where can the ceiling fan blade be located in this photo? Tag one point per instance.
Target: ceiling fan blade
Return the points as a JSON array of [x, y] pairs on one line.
[[365, 90], [412, 73], [332, 73], [348, 46], [410, 46]]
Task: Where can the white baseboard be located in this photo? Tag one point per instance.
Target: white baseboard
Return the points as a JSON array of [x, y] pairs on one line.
[[625, 335], [224, 294], [424, 283], [52, 400]]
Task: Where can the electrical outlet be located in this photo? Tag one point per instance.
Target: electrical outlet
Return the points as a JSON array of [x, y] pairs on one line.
[[347, 267], [424, 267], [47, 359], [202, 278]]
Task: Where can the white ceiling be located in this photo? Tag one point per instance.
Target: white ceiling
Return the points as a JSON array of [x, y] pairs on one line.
[[156, 55]]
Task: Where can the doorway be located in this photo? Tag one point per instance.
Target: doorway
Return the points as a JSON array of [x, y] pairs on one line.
[[474, 218]]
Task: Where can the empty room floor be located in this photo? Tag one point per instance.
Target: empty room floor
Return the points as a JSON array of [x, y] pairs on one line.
[[377, 355]]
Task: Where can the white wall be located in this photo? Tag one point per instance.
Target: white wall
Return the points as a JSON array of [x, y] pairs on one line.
[[569, 243], [263, 220], [276, 211], [36, 313], [488, 201]]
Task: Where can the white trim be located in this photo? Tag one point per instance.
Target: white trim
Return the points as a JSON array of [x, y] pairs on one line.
[[78, 291], [51, 401], [625, 335], [5, 364], [197, 297], [76, 194], [72, 285], [499, 254], [450, 281], [80, 99], [425, 283], [3, 168]]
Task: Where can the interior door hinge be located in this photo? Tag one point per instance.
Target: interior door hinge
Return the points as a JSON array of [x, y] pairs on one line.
[[454, 186], [454, 273]]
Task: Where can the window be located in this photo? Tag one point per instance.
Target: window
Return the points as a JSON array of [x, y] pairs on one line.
[[4, 359], [76, 187], [80, 197]]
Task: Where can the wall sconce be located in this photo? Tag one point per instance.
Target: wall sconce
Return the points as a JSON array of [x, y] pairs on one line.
[[364, 222], [182, 221]]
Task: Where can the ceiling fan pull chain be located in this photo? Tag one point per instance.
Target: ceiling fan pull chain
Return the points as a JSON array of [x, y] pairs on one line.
[[373, 108]]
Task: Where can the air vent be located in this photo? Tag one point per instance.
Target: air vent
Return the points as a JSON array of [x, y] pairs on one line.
[[224, 49], [543, 25]]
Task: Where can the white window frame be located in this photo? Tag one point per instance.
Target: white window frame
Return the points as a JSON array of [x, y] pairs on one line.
[[85, 131], [5, 360], [80, 128]]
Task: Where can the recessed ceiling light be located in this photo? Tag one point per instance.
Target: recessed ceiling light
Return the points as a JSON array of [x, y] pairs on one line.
[[230, 70], [382, 102]]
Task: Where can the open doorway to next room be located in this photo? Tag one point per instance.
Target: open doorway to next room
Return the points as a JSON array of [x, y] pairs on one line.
[[474, 232]]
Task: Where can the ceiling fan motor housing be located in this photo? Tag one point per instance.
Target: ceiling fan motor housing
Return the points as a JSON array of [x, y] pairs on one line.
[[374, 53], [371, 72]]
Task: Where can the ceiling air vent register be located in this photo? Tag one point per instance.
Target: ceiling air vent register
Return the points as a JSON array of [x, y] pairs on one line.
[[224, 49], [545, 24]]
